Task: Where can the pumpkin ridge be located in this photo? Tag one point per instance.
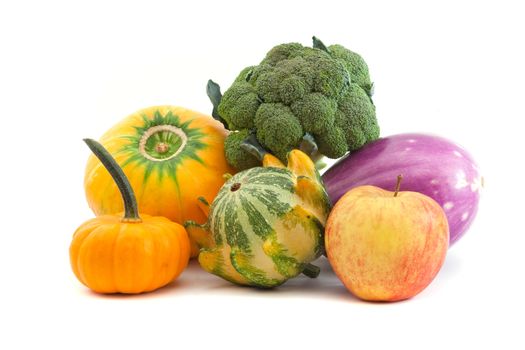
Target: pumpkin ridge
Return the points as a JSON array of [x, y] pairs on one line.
[[153, 254], [112, 266], [78, 249], [82, 254]]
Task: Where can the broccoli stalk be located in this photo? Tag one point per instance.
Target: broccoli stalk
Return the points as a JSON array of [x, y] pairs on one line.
[[252, 146], [317, 99]]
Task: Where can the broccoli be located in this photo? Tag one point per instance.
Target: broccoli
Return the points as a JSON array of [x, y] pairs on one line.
[[235, 154], [298, 95]]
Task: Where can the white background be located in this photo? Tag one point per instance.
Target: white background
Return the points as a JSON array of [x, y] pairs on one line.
[[71, 70]]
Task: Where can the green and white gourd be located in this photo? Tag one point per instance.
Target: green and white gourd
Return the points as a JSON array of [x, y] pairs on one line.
[[266, 224]]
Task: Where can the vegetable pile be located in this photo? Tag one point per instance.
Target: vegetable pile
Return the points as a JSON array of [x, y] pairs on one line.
[[240, 189]]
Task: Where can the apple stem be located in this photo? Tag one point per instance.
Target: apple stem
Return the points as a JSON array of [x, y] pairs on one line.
[[398, 184]]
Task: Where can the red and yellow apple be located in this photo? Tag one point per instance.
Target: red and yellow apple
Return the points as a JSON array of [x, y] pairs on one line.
[[386, 246]]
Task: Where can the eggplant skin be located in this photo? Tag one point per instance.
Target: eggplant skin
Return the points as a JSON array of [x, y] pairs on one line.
[[432, 165]]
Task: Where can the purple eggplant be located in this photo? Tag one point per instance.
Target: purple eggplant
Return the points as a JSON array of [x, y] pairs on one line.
[[429, 164]]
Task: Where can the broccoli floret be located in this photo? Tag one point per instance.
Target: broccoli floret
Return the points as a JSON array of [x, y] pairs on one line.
[[295, 91], [355, 65], [239, 105], [332, 144], [283, 52], [356, 117], [278, 129], [316, 112], [245, 74], [235, 154]]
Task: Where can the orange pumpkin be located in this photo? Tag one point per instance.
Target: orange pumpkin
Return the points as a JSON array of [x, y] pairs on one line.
[[170, 155], [130, 254]]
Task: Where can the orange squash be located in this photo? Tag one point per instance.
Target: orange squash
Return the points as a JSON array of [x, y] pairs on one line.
[[170, 155], [129, 254]]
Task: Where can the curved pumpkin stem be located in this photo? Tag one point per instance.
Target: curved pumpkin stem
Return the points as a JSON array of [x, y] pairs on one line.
[[131, 211]]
